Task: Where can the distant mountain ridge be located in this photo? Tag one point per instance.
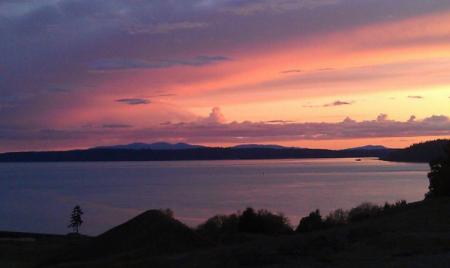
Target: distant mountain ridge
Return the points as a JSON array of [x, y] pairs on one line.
[[369, 147], [186, 146], [264, 146], [183, 146], [121, 153], [151, 146]]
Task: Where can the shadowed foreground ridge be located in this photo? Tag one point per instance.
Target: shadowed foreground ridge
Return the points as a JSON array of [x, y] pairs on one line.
[[412, 235], [156, 231], [152, 233]]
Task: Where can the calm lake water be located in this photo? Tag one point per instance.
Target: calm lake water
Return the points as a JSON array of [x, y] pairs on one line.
[[38, 197]]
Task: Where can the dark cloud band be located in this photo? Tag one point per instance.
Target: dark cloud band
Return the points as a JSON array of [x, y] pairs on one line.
[[134, 101]]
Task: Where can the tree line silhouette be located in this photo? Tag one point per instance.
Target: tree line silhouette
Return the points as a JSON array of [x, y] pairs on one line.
[[423, 152]]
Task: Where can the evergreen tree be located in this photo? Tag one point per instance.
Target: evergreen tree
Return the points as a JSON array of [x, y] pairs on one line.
[[439, 176], [75, 219]]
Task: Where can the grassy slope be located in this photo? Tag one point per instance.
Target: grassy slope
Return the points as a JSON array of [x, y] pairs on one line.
[[417, 236], [27, 249]]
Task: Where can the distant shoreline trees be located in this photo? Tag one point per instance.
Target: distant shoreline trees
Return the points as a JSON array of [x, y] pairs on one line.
[[423, 152]]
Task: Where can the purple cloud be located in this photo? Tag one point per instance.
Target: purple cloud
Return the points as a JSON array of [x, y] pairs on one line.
[[214, 129], [165, 28], [291, 71], [115, 126], [333, 104], [279, 121], [253, 7], [129, 64], [261, 131], [338, 103], [134, 101]]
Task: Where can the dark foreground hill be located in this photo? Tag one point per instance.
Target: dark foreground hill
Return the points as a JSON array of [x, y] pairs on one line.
[[420, 152], [417, 235], [187, 154], [152, 233]]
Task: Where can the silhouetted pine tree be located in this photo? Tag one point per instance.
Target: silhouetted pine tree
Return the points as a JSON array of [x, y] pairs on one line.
[[75, 219]]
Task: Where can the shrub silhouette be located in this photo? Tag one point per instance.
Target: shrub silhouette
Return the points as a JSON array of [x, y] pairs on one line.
[[336, 218], [249, 221], [223, 227], [273, 223], [364, 211], [439, 176], [219, 225], [310, 223], [263, 222], [314, 220], [397, 205], [168, 212]]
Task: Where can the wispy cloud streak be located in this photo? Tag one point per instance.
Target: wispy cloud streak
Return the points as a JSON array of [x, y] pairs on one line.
[[134, 101], [130, 64]]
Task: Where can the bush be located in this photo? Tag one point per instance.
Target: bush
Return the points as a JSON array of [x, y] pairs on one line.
[[273, 223], [249, 221], [439, 176], [168, 212], [340, 217], [310, 223], [263, 222], [219, 225], [336, 218], [364, 211], [397, 205]]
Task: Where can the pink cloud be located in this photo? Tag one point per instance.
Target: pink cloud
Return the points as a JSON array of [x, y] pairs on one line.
[[215, 117]]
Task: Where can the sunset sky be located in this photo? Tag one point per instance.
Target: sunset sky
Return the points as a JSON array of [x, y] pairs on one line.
[[308, 73]]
